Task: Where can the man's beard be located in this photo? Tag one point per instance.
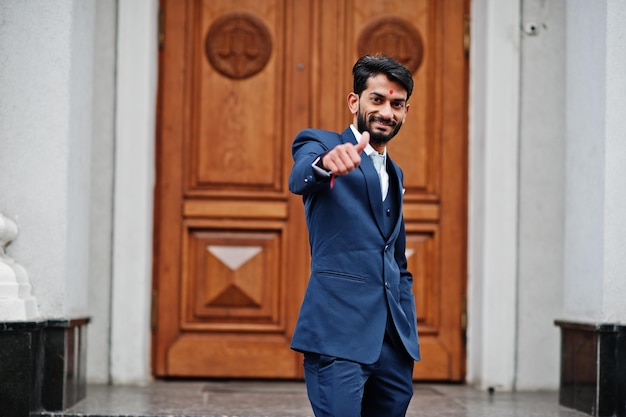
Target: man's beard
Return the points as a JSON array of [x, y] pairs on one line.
[[375, 137]]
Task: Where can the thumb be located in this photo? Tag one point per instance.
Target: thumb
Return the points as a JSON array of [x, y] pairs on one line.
[[365, 139]]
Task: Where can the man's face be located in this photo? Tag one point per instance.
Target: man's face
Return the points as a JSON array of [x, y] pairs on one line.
[[380, 110]]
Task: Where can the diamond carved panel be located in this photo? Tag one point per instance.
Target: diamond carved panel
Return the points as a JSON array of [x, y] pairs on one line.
[[232, 280], [235, 135], [234, 287]]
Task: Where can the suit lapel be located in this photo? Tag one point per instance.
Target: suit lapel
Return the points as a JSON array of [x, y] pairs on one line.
[[397, 192], [374, 195]]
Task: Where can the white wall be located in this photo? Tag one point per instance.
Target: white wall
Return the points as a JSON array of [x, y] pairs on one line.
[[541, 194], [45, 137]]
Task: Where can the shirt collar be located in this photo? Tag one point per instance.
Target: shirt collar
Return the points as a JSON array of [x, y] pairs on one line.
[[369, 149]]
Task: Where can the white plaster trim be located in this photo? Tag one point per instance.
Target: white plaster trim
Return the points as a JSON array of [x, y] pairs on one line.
[[16, 300], [493, 197], [136, 88]]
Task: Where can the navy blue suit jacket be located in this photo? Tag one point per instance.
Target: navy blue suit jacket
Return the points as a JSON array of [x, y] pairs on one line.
[[358, 272]]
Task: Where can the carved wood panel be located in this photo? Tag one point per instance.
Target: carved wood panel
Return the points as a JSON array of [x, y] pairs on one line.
[[236, 89], [234, 277], [422, 257]]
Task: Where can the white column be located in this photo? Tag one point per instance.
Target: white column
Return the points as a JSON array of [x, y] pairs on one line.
[[542, 194], [133, 195], [585, 187], [101, 204], [16, 300], [493, 233], [614, 305], [595, 223]]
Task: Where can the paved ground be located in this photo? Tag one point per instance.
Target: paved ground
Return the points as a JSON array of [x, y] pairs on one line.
[[288, 399]]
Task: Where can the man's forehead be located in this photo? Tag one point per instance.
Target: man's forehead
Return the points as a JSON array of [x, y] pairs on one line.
[[379, 85], [388, 93]]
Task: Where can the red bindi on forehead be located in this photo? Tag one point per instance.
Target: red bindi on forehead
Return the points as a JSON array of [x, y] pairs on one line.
[[390, 92]]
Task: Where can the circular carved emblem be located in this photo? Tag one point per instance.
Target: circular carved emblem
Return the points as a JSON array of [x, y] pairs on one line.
[[238, 45], [394, 37]]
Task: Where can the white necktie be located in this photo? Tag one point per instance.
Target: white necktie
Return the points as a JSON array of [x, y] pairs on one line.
[[379, 164]]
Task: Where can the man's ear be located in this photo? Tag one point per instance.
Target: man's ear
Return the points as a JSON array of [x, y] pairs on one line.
[[353, 103], [406, 111]]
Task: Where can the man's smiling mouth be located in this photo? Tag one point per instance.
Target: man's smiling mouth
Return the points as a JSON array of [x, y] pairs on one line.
[[382, 122]]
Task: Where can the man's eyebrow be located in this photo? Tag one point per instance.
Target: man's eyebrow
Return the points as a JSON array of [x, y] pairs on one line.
[[374, 93]]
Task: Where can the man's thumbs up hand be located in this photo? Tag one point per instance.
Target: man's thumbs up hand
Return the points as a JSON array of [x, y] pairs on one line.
[[345, 157]]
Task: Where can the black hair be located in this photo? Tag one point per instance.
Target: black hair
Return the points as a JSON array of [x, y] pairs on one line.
[[371, 65]]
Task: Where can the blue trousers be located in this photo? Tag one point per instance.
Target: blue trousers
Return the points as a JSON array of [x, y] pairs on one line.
[[342, 388]]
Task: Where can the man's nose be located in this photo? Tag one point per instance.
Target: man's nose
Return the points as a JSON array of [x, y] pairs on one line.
[[386, 111]]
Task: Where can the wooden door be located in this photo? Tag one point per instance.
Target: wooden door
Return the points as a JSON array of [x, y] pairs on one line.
[[238, 80]]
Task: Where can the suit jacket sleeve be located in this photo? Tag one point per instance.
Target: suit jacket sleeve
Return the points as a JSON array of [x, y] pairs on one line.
[[307, 146]]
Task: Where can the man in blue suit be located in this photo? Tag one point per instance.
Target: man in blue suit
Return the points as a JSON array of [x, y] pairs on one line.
[[357, 324]]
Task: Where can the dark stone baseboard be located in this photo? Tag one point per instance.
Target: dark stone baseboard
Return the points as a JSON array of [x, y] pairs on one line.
[[42, 365], [593, 368]]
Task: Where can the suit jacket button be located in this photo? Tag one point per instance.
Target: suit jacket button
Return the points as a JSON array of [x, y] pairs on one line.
[[386, 248], [387, 284], [388, 212]]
